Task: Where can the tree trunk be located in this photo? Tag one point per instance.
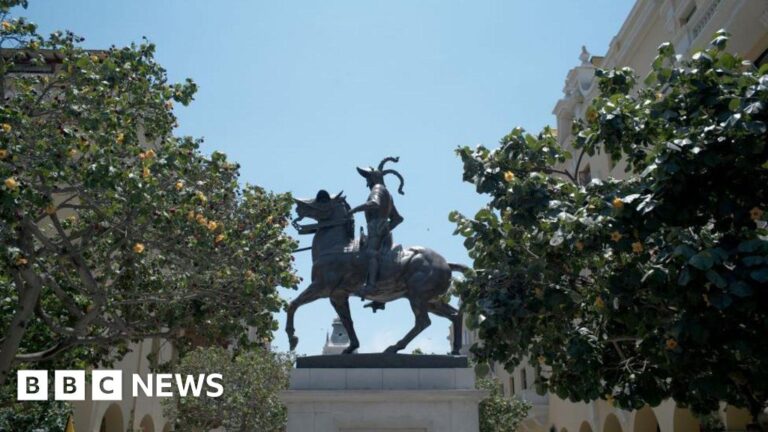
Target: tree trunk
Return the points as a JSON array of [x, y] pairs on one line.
[[28, 296]]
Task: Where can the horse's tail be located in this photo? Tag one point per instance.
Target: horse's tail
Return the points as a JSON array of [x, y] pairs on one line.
[[461, 268]]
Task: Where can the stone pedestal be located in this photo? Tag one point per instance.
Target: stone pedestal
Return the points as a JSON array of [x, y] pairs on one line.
[[382, 393]]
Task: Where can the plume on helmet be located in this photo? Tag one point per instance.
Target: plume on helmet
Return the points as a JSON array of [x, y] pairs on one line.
[[377, 174]]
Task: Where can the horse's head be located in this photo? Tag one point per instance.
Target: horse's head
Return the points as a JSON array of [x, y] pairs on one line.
[[322, 207]]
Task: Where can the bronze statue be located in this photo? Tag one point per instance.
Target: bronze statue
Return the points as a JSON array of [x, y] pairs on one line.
[[342, 264]]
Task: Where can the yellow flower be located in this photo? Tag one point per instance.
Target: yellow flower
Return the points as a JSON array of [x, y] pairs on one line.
[[191, 215], [591, 115], [168, 105], [659, 96], [6, 127], [219, 238], [120, 137], [179, 185], [201, 196], [142, 155], [138, 248], [671, 344], [51, 209], [616, 236], [11, 183], [150, 154], [618, 203], [72, 152], [7, 26], [94, 58], [21, 261], [34, 45], [202, 220], [599, 303], [249, 274], [212, 225], [145, 172], [579, 245], [3, 154], [637, 247], [541, 359], [756, 214], [538, 292], [509, 176], [609, 399]]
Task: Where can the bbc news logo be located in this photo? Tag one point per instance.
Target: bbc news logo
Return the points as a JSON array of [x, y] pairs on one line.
[[107, 385]]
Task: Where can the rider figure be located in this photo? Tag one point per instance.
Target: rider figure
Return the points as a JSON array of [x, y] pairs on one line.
[[381, 217]]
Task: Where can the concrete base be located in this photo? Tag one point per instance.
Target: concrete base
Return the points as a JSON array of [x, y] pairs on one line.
[[382, 400]]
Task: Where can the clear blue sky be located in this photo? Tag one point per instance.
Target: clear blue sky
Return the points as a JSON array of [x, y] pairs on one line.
[[300, 92]]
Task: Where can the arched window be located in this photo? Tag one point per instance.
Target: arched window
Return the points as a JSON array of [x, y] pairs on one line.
[[112, 421], [685, 421], [585, 427], [737, 418], [147, 425], [645, 420], [612, 424], [523, 379]]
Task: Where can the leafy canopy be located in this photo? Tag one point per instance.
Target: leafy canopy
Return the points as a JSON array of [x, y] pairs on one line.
[[251, 381], [111, 228], [498, 413], [640, 289]]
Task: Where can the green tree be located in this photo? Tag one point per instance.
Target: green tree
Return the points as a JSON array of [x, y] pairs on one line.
[[641, 289], [251, 382], [499, 413], [111, 228]]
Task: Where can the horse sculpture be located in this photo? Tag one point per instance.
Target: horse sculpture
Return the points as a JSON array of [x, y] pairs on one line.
[[339, 268]]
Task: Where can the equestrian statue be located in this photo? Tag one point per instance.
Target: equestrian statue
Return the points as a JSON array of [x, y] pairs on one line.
[[371, 267]]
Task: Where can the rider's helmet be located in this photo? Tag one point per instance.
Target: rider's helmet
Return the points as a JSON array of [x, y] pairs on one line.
[[374, 176]]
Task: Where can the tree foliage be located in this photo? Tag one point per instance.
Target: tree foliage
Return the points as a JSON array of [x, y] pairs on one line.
[[250, 402], [498, 413], [641, 289], [111, 228]]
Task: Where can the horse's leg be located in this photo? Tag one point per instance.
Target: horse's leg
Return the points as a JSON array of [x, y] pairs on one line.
[[420, 312], [445, 310], [313, 292], [341, 304]]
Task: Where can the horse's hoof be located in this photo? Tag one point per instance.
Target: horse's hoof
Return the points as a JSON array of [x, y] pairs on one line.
[[392, 350], [293, 340]]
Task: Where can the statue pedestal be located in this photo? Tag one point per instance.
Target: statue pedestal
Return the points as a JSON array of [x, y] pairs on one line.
[[382, 392]]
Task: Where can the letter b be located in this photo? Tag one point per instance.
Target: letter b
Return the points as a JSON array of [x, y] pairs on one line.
[[32, 385], [69, 385]]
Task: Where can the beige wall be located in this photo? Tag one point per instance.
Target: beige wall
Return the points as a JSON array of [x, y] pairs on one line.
[[144, 414]]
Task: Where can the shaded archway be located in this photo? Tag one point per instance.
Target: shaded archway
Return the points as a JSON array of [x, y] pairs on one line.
[[612, 424], [646, 421], [147, 425], [563, 430], [737, 418], [167, 427], [112, 421], [585, 427], [684, 421]]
